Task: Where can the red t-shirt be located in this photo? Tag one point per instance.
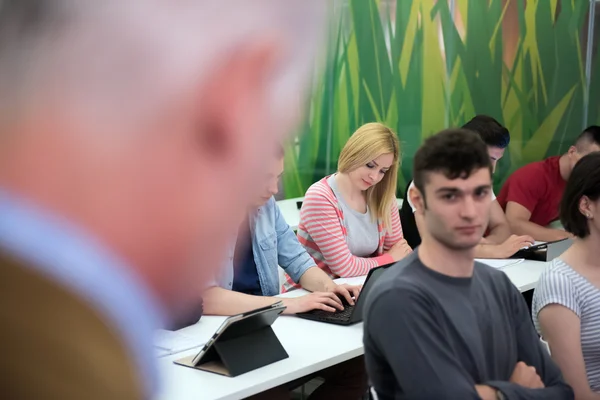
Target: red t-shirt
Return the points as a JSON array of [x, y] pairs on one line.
[[538, 187]]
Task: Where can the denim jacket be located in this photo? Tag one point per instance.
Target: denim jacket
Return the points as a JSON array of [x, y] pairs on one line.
[[273, 243]]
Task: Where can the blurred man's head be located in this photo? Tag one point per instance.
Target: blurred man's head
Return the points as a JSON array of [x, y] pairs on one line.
[[144, 122], [587, 142], [452, 176], [274, 170], [493, 134]]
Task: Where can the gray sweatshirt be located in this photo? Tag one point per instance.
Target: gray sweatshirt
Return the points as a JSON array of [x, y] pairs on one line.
[[432, 336]]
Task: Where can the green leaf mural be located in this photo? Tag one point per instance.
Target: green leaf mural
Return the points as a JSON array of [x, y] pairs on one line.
[[420, 66]]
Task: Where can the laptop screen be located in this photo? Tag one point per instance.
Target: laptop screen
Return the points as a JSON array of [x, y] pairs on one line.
[[373, 276]]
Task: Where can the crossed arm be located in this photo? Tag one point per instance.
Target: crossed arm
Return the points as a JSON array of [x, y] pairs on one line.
[[418, 351]]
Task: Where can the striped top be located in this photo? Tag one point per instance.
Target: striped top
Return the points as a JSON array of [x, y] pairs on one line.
[[323, 232], [560, 284]]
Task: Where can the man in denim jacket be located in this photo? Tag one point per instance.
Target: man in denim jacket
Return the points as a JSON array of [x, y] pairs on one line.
[[265, 241], [250, 278]]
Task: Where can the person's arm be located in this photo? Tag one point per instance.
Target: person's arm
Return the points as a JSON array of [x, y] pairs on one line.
[[503, 250], [499, 229], [518, 218], [561, 328], [532, 352], [319, 217], [219, 301], [487, 248], [556, 306], [316, 280], [484, 250], [291, 256], [393, 237], [401, 327]]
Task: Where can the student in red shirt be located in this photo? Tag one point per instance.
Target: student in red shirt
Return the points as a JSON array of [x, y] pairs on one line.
[[531, 196], [498, 241]]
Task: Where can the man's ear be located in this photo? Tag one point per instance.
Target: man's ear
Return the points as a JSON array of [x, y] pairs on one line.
[[417, 199], [235, 99], [572, 152]]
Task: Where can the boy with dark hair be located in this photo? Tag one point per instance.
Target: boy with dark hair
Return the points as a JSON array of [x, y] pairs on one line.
[[250, 279], [531, 195], [498, 243], [440, 325], [491, 131]]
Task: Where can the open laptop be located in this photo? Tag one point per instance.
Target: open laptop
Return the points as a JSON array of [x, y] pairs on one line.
[[555, 249], [544, 251], [350, 314]]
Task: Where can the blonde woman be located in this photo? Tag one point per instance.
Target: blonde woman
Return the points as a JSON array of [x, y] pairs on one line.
[[349, 221]]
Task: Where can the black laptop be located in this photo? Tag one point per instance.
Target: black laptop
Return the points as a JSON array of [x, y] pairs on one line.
[[539, 252], [350, 314]]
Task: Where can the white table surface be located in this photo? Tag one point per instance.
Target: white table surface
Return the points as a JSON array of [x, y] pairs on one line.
[[526, 274], [312, 346]]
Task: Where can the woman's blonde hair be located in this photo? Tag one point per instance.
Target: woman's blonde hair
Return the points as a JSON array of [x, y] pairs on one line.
[[366, 144]]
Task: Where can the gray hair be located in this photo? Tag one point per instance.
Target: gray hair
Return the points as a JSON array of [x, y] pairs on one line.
[[128, 54]]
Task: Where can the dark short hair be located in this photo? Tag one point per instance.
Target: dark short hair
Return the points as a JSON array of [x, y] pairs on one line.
[[491, 131], [454, 152], [590, 135], [583, 181]]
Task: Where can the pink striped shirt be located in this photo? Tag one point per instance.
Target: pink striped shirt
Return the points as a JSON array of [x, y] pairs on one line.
[[323, 234]]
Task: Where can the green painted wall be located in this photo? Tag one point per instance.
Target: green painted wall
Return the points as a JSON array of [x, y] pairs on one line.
[[420, 66]]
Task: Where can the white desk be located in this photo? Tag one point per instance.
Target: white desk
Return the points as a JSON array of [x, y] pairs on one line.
[[291, 212], [523, 275], [526, 274], [312, 346]]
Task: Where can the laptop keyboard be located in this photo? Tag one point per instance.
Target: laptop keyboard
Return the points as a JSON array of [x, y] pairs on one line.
[[339, 314]]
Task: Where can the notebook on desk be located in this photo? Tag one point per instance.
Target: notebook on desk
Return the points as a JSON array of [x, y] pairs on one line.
[[350, 314]]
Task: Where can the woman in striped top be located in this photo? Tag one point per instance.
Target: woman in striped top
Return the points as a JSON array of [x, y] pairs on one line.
[[349, 221], [566, 302]]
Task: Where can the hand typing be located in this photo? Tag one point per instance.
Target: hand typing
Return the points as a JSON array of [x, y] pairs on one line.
[[327, 301], [513, 244], [349, 292]]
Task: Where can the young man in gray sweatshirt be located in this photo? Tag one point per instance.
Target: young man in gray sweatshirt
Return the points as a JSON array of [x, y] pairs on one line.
[[439, 325]]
